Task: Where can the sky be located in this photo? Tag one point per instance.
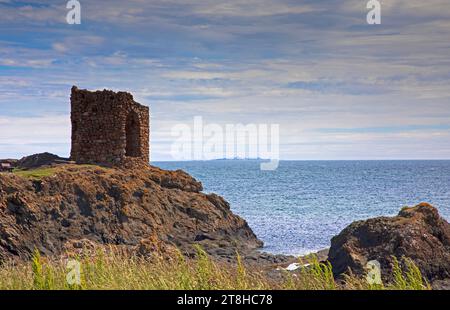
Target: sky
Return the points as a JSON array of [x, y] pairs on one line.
[[338, 87]]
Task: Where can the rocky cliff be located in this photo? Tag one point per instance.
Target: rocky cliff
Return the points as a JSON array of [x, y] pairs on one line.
[[130, 207]]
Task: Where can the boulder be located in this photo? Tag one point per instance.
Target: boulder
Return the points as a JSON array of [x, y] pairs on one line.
[[418, 233]]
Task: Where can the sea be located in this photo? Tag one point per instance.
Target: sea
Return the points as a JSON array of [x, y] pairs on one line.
[[297, 208]]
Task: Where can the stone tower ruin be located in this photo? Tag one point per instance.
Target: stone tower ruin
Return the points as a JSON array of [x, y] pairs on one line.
[[108, 127]]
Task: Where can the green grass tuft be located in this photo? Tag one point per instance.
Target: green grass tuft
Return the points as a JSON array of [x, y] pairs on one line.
[[39, 173], [35, 174]]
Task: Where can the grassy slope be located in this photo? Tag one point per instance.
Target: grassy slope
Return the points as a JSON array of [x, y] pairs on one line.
[[39, 173], [36, 173]]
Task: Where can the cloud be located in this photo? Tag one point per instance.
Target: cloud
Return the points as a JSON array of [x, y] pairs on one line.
[[311, 66], [31, 12], [23, 129]]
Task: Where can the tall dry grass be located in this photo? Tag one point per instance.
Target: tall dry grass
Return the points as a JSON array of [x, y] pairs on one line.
[[115, 271]]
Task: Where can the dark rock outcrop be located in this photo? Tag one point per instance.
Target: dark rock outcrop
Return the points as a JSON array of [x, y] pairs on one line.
[[39, 160], [418, 233], [127, 207]]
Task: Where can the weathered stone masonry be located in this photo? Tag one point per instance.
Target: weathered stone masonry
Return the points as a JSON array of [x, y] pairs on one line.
[[108, 127]]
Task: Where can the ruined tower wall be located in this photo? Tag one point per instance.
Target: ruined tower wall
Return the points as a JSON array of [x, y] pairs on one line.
[[108, 127]]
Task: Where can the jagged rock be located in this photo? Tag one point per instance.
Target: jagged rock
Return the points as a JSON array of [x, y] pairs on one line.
[[418, 233], [134, 208], [176, 180]]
